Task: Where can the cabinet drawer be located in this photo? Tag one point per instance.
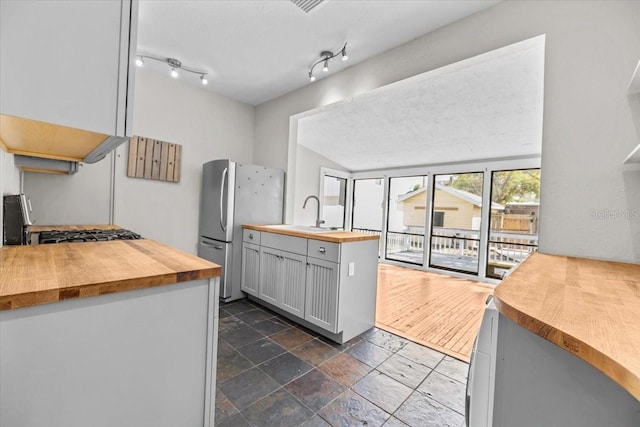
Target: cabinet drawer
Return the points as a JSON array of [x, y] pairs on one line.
[[251, 236], [324, 250], [297, 245]]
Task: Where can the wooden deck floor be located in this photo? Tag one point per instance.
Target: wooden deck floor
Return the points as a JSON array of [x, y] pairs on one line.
[[435, 310]]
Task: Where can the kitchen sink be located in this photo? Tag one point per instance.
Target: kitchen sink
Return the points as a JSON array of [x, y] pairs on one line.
[[304, 228]]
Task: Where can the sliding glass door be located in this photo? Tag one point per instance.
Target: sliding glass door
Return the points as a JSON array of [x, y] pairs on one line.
[[456, 213], [368, 207], [406, 219], [513, 231], [333, 202], [437, 219]]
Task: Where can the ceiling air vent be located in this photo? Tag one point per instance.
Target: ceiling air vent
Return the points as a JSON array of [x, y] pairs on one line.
[[307, 5]]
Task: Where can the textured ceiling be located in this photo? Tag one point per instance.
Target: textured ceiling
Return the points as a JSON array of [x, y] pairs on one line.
[[255, 51], [485, 107]]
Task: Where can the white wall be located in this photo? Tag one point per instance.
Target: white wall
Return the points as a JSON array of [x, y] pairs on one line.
[[9, 182], [208, 126], [82, 198], [592, 48], [307, 182]]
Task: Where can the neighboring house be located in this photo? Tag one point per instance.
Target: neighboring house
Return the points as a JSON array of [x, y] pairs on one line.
[[453, 208]]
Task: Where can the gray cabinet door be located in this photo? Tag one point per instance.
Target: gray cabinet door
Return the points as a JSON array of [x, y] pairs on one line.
[[270, 266], [250, 268], [321, 306], [292, 284]]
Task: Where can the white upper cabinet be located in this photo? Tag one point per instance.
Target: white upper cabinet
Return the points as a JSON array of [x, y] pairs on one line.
[[69, 63]]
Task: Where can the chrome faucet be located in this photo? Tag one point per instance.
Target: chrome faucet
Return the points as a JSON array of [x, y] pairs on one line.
[[318, 220]]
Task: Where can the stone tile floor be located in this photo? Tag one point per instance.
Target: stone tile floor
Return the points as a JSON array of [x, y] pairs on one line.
[[272, 372]]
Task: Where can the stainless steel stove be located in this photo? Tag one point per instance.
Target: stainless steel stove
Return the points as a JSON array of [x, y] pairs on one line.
[[94, 235]]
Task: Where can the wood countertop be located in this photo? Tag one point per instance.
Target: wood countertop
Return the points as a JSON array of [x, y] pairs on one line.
[[588, 307], [329, 236], [39, 274]]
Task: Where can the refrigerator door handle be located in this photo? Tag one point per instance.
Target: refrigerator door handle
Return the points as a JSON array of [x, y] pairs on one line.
[[223, 224], [219, 247]]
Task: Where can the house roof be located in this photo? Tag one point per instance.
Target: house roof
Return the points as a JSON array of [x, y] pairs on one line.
[[461, 194]]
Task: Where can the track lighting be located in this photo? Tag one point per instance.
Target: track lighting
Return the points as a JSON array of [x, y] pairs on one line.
[[325, 57], [174, 64]]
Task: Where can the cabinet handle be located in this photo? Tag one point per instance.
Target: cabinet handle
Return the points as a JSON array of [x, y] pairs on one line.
[[251, 236], [321, 249]]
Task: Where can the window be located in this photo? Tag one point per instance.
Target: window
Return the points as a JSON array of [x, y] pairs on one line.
[[438, 219], [333, 202], [368, 206], [455, 237], [513, 231], [406, 219]]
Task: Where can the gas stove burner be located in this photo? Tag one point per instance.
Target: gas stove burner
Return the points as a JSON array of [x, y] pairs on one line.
[[94, 235]]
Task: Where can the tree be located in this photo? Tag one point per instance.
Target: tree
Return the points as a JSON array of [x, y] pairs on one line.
[[508, 186]]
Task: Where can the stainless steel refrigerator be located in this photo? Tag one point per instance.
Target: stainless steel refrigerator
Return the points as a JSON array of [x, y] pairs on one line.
[[233, 194]]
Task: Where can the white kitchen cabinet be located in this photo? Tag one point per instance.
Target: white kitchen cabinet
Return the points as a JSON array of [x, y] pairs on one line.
[[326, 286], [144, 357], [250, 268], [69, 63], [321, 305], [270, 275], [292, 283], [282, 278]]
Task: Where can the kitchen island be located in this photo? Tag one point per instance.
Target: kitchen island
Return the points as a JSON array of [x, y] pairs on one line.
[[107, 333], [568, 344], [325, 280]]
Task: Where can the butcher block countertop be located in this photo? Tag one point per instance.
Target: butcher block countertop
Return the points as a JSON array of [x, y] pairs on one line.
[[40, 274], [336, 236], [589, 308]]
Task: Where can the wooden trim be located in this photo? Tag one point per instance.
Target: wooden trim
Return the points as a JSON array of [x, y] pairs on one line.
[[44, 155], [170, 162], [133, 154], [177, 163], [39, 170]]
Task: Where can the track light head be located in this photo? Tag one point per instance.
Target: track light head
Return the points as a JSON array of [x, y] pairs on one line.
[[175, 66], [325, 57]]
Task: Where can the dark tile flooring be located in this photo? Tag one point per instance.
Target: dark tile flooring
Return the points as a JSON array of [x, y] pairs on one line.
[[272, 372]]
